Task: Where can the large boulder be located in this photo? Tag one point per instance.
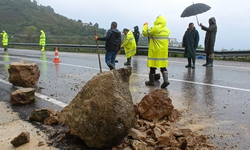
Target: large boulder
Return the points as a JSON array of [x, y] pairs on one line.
[[155, 105], [23, 96], [24, 74], [102, 113]]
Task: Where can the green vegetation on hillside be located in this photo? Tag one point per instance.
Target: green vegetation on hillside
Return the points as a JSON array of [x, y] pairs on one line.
[[23, 20]]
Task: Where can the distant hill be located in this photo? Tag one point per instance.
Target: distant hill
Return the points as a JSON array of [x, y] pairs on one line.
[[26, 18]]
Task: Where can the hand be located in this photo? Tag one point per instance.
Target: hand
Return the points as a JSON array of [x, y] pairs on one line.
[[119, 51], [96, 37], [200, 24], [145, 24]]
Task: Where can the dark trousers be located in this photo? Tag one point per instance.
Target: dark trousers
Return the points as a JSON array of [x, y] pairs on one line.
[[110, 57], [153, 70]]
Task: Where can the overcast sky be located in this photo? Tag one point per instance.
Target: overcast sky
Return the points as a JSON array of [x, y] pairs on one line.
[[232, 16]]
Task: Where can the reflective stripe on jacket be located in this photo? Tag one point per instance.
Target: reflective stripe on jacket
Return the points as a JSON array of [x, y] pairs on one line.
[[129, 45], [158, 43], [42, 39], [5, 38]]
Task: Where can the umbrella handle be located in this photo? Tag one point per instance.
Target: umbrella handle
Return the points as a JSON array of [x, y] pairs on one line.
[[197, 20]]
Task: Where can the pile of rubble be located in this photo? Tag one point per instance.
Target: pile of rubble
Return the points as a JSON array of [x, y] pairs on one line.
[[154, 133]]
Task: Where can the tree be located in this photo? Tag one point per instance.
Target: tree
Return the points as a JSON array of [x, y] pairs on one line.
[[30, 30]]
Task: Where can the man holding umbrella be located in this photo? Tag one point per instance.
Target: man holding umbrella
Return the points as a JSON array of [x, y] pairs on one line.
[[209, 41]]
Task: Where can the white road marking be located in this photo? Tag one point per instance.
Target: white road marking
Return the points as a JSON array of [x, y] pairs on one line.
[[44, 97], [200, 83]]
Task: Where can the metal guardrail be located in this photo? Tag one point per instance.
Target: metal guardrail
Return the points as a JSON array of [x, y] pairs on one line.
[[140, 48]]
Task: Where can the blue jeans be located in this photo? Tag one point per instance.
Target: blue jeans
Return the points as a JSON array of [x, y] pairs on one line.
[[110, 57]]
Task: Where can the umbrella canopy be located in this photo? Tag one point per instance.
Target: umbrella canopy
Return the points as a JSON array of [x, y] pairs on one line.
[[195, 9]]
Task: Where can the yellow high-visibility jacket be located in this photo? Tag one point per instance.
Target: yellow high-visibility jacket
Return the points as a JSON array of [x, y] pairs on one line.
[[129, 45], [42, 39], [5, 39], [158, 43]]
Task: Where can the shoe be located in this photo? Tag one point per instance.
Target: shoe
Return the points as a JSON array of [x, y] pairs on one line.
[[111, 66], [165, 79], [188, 66], [206, 62], [151, 81]]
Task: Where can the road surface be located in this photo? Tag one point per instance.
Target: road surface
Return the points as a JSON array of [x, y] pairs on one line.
[[215, 101]]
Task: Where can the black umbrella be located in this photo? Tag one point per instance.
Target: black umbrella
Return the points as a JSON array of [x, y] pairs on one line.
[[195, 9]]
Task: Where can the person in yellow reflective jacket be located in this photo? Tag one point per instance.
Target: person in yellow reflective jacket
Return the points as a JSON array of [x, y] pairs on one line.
[[158, 50], [5, 40], [129, 45], [42, 40]]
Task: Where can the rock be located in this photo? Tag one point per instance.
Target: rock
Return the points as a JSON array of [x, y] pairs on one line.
[[174, 116], [21, 139], [128, 148], [102, 113], [40, 144], [24, 74], [137, 145], [155, 105], [157, 132], [51, 120], [165, 139], [138, 135], [23, 96], [40, 115]]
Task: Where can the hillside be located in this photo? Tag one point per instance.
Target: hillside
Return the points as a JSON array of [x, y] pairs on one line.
[[26, 18]]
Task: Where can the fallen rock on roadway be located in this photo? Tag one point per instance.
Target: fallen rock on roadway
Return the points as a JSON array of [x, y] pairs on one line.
[[40, 115], [23, 96], [155, 105], [102, 113], [21, 139], [23, 73]]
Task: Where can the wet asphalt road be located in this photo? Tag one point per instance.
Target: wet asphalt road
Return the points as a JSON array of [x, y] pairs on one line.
[[215, 100]]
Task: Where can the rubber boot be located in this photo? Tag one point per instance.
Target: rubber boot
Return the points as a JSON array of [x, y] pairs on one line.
[[128, 62], [157, 76], [43, 48], [206, 62], [165, 78], [189, 63], [151, 81], [210, 64], [193, 66], [111, 66]]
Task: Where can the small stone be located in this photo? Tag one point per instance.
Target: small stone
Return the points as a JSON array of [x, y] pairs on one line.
[[21, 139]]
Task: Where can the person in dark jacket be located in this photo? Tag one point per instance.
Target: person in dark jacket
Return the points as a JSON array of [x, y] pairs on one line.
[[112, 45], [210, 41], [136, 34], [190, 42]]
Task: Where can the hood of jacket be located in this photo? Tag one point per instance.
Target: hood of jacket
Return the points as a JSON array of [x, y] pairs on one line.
[[213, 20], [136, 28], [160, 20]]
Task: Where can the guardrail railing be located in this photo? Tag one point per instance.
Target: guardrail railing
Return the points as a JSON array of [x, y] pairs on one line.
[[140, 48]]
